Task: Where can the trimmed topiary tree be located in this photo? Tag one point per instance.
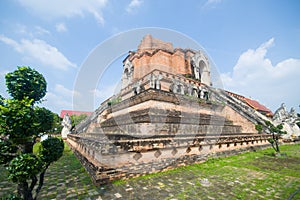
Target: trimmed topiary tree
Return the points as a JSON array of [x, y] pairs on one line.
[[276, 132], [26, 83], [21, 122]]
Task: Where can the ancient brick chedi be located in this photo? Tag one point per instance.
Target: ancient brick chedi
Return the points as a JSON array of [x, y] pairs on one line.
[[167, 114]]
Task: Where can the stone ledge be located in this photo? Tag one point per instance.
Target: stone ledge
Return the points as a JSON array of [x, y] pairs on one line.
[[102, 175]]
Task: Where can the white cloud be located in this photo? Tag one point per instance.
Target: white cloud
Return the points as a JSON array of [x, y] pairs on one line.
[[33, 31], [41, 31], [65, 8], [61, 27], [134, 4], [2, 83], [256, 76], [56, 102], [9, 42], [41, 51], [211, 3], [20, 29], [63, 91], [104, 92], [59, 98]]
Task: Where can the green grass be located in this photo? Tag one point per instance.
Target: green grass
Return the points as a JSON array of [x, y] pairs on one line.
[[252, 175]]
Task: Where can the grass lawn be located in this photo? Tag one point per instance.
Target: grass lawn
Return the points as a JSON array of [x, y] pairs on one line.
[[253, 175]]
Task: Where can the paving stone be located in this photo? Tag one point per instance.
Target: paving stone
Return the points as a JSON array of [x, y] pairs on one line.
[[52, 187], [118, 195], [72, 195], [204, 182], [60, 196], [163, 187]]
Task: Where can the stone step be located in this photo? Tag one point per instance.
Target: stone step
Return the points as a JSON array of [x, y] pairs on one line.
[[164, 129], [161, 116], [106, 138]]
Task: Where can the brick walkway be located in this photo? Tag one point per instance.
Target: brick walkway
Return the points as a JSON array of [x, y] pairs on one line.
[[221, 179]]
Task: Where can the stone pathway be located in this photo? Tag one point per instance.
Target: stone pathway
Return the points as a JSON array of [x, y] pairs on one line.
[[224, 179]]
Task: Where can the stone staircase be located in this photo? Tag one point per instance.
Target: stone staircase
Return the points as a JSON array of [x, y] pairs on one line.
[[239, 106]]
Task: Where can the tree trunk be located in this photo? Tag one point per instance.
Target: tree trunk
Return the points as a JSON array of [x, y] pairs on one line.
[[28, 147], [41, 182], [24, 191], [277, 146], [273, 147]]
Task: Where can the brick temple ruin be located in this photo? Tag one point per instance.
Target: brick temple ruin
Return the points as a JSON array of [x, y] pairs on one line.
[[167, 114]]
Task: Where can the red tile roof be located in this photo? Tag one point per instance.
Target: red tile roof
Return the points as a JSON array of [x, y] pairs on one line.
[[253, 104], [73, 112], [257, 106]]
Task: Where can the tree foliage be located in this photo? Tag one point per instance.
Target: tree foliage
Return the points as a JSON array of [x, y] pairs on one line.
[[276, 131], [76, 119], [24, 166], [51, 150], [259, 128], [44, 118], [8, 151], [16, 119], [1, 99], [21, 122], [57, 127], [26, 83]]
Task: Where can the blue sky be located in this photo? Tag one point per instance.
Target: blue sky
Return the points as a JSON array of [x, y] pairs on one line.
[[255, 44]]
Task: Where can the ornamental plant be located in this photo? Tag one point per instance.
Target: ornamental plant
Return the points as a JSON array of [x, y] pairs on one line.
[[21, 123], [276, 132]]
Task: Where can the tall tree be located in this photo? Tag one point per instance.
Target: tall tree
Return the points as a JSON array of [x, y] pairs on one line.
[[21, 122]]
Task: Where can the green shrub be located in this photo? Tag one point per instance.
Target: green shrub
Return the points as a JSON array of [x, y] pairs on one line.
[[24, 167], [51, 149]]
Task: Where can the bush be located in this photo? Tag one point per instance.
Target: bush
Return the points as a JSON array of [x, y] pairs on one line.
[[24, 167], [51, 149]]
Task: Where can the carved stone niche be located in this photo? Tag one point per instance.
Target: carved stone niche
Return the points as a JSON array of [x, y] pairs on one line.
[[200, 68], [127, 73]]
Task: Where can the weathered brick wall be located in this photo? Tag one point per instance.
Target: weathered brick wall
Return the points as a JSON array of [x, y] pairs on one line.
[[238, 119], [153, 54], [171, 62]]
